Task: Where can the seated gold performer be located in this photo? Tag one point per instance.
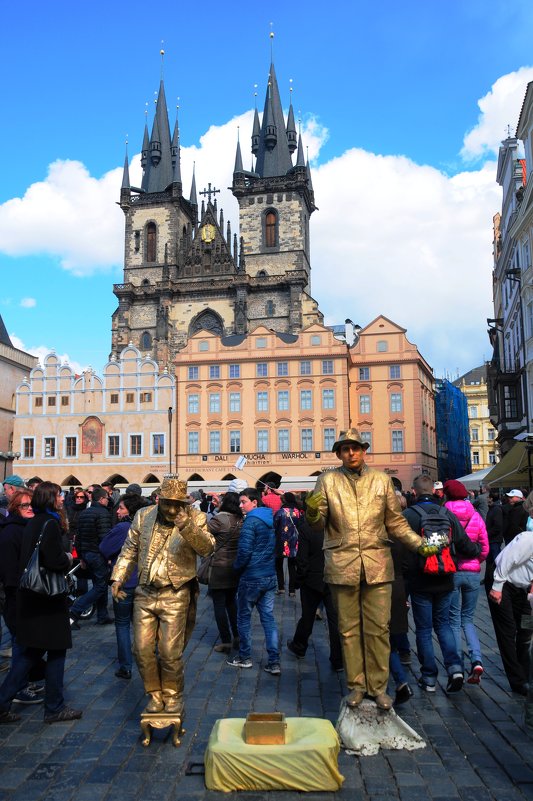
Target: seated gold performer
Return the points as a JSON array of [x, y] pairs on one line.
[[163, 542]]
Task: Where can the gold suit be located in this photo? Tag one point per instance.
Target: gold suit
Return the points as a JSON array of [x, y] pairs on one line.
[[359, 512], [164, 610]]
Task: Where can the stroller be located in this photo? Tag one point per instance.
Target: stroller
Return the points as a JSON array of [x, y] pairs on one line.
[[73, 590]]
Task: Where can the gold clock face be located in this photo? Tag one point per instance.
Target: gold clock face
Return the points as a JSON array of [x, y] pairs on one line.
[[208, 232]]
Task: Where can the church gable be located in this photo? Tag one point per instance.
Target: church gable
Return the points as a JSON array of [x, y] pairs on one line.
[[209, 253]]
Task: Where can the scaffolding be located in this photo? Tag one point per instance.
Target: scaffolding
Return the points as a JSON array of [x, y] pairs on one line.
[[453, 433]]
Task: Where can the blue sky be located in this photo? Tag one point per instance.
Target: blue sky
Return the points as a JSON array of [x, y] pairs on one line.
[[388, 96]]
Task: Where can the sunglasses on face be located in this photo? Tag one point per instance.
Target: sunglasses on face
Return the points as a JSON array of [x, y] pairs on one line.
[[24, 505]]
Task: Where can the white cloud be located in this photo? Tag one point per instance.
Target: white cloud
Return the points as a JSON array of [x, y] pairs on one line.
[[499, 108], [28, 303], [41, 351]]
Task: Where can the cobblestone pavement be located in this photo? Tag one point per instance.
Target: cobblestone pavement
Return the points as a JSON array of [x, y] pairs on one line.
[[477, 746]]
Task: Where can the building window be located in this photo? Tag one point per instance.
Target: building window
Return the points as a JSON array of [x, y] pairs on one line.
[[270, 308], [235, 441], [146, 397], [305, 368], [382, 346], [366, 436], [306, 439], [397, 441], [130, 397], [510, 402], [306, 399], [193, 404], [28, 447], [283, 368], [38, 402], [49, 447], [261, 342], [192, 373], [52, 400], [364, 374], [492, 457], [329, 438], [158, 444], [491, 434], [113, 445], [235, 401], [65, 400], [262, 440], [283, 440], [328, 398], [474, 434], [214, 402], [113, 397], [271, 229], [203, 346], [146, 341], [316, 339], [214, 371], [193, 442], [234, 371], [364, 404], [475, 457], [71, 446], [214, 442], [261, 369], [283, 400], [472, 411], [395, 371], [136, 446], [396, 402], [262, 401], [151, 235], [327, 367]]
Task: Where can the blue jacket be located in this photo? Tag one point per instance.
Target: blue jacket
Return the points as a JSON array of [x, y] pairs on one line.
[[111, 546], [257, 545]]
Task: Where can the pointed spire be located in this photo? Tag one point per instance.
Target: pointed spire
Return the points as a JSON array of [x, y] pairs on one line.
[[300, 161], [146, 147], [175, 152], [238, 157], [221, 224], [273, 155], [256, 133], [228, 235], [291, 127], [126, 172], [159, 167], [192, 197]]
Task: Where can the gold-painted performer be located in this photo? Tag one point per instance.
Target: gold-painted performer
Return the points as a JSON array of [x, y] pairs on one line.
[[359, 510], [163, 542]]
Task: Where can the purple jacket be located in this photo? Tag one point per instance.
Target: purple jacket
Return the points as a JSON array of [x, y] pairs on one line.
[[474, 525]]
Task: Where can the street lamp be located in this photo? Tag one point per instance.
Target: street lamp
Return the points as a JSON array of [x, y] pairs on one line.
[[8, 456], [170, 439]]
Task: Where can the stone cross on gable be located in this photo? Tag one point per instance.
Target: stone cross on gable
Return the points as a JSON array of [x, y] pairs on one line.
[[209, 192]]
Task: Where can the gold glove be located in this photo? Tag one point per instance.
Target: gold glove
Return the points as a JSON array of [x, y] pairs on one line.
[[313, 502], [117, 592]]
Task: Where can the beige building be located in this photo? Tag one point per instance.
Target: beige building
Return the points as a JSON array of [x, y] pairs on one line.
[[483, 445], [392, 401], [277, 399], [78, 429], [15, 364]]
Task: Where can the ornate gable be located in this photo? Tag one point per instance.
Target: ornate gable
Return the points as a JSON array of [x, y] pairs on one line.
[[209, 253]]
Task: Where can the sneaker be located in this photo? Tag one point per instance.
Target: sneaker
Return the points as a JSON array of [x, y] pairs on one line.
[[476, 673], [27, 697], [274, 669], [455, 683], [74, 625], [429, 688], [35, 688], [292, 648], [238, 662], [8, 717], [123, 673], [64, 715], [403, 694]]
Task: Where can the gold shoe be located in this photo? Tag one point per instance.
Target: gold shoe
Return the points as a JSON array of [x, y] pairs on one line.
[[155, 704], [173, 705], [383, 701], [354, 698]]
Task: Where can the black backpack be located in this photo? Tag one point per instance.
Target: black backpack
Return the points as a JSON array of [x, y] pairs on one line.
[[436, 530]]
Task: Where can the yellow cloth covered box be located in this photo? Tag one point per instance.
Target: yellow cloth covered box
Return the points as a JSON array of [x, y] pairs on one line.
[[307, 761]]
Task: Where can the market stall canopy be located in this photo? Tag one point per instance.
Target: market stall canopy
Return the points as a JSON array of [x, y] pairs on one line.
[[513, 471], [473, 481]]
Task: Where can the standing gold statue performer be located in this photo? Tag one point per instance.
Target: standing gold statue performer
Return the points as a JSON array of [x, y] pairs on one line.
[[163, 542], [359, 510]]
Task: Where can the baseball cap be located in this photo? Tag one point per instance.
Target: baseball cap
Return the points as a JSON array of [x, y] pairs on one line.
[[437, 485], [14, 481], [515, 494], [237, 485]]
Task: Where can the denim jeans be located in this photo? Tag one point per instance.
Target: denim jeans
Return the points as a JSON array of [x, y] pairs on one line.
[[99, 570], [462, 608], [396, 668], [22, 661], [257, 592], [123, 609], [432, 611]]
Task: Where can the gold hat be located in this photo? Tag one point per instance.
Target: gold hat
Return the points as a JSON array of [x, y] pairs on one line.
[[172, 489], [350, 436]]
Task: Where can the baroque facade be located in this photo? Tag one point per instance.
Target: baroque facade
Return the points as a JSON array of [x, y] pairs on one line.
[[473, 385]]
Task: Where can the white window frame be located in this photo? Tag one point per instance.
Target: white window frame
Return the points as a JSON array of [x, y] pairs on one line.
[[152, 450], [75, 438], [262, 432], [135, 434], [51, 437], [119, 454], [22, 441], [189, 450], [284, 431], [214, 433], [235, 402]]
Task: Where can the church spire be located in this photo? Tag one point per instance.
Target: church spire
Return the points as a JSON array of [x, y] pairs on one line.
[[175, 153], [291, 128], [192, 198], [300, 161], [126, 173], [273, 155], [238, 157], [158, 172]]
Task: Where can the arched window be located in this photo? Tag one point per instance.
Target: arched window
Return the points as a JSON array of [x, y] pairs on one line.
[[270, 308], [151, 234], [146, 341], [271, 229]]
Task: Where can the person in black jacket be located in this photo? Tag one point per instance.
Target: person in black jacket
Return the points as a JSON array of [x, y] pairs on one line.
[[431, 594], [494, 523], [93, 525], [514, 515], [313, 591]]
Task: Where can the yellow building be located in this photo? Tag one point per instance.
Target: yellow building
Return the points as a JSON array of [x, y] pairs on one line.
[[79, 429], [392, 401], [482, 433], [277, 399]]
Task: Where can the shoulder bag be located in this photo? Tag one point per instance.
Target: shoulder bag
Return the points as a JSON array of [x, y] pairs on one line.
[[40, 579]]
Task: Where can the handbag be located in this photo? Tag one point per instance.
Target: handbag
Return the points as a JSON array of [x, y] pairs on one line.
[[40, 579], [204, 570]]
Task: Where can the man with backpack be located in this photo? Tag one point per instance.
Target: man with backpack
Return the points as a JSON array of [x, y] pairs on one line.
[[430, 583]]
